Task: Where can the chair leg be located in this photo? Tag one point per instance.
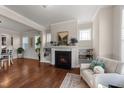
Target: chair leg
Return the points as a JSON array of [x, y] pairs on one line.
[[5, 65], [1, 63], [11, 61]]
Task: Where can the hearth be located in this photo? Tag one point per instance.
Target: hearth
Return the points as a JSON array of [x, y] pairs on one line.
[[63, 59]]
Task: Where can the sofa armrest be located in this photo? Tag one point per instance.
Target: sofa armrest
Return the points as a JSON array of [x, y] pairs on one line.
[[84, 65], [108, 79]]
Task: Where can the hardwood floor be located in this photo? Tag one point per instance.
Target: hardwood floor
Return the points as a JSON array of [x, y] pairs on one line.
[[26, 73]]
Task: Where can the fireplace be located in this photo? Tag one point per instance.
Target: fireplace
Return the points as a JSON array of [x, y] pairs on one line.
[[63, 59]]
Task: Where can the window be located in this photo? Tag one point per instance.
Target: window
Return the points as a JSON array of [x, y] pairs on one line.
[[48, 39], [85, 34], [25, 42]]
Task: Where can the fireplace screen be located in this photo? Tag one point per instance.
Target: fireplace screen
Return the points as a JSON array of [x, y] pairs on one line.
[[63, 59]]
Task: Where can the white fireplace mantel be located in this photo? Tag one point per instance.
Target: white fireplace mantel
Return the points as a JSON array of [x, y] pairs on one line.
[[74, 54]]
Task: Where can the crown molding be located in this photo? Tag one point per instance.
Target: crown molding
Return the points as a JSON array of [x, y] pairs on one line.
[[6, 12]]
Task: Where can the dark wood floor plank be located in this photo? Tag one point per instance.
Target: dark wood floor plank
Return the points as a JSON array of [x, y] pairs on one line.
[[26, 73]]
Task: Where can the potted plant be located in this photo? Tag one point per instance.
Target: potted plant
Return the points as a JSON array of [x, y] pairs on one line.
[[38, 53], [73, 41], [38, 49], [20, 52]]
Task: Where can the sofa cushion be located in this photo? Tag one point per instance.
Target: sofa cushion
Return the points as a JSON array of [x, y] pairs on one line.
[[109, 79], [110, 65], [84, 66], [120, 68], [88, 73]]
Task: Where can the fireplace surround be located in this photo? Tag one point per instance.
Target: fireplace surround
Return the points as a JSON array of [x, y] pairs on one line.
[[71, 49]]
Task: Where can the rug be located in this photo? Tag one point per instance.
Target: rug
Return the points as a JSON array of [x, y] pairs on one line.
[[73, 81]]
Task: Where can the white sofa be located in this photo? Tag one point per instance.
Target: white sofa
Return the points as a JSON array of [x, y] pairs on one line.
[[114, 74]]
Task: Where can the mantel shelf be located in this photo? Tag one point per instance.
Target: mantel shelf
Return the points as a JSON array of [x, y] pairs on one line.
[[63, 47]]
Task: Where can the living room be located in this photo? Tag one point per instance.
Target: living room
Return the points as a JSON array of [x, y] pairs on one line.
[[80, 46]]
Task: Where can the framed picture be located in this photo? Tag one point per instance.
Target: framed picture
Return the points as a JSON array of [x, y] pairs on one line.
[[11, 41], [4, 40], [63, 38]]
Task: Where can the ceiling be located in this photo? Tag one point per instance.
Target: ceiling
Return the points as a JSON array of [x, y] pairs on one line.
[[13, 25], [56, 13]]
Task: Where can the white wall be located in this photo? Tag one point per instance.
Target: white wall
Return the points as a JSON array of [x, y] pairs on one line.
[[43, 41], [16, 39], [103, 29], [117, 32], [71, 26], [30, 51], [85, 43], [96, 35], [106, 32]]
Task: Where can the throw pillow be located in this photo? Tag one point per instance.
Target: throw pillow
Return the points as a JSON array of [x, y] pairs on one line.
[[100, 63], [93, 64], [97, 63], [98, 70]]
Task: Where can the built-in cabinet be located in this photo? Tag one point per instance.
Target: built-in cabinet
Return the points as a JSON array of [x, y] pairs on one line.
[[85, 55]]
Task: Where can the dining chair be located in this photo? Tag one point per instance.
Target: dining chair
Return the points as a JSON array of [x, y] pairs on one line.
[[10, 57], [3, 61]]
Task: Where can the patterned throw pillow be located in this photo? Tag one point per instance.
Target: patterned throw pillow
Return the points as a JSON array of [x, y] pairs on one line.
[[93, 63], [97, 63]]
